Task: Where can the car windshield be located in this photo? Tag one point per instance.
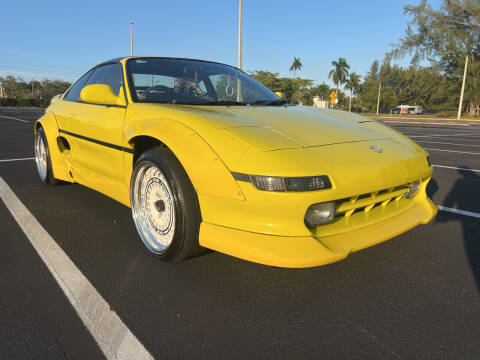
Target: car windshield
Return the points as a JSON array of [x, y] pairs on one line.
[[179, 81]]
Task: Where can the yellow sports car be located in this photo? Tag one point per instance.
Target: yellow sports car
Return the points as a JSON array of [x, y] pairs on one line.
[[207, 157]]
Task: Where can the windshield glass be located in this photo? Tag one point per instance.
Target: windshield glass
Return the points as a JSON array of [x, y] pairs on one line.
[[178, 81]]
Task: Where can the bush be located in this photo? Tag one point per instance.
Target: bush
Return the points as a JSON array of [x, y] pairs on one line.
[[20, 102]]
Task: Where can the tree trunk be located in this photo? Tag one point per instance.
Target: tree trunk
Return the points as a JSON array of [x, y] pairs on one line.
[[350, 104], [472, 108], [337, 92]]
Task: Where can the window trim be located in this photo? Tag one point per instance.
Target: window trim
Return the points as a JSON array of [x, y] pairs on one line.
[[93, 69]]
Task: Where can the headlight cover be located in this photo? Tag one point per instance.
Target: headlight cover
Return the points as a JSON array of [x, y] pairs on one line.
[[413, 189], [283, 184], [429, 163]]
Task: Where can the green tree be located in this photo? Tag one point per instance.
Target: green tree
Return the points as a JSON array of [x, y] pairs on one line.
[[352, 84], [289, 87], [340, 72], [446, 37], [296, 65]]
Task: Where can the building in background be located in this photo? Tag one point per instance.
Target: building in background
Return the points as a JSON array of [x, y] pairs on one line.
[[320, 103]]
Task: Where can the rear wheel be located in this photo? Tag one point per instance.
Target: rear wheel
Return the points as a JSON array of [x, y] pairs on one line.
[[165, 206], [42, 158]]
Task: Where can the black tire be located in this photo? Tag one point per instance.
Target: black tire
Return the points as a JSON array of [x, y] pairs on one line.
[[162, 197], [45, 171]]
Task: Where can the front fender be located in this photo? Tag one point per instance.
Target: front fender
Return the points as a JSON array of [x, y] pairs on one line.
[[59, 159], [206, 170]]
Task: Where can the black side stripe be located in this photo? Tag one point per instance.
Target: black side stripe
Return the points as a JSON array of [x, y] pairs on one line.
[[99, 142]]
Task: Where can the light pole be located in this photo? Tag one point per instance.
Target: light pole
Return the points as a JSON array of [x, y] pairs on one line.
[[239, 84], [131, 38], [240, 34], [460, 105], [378, 100]]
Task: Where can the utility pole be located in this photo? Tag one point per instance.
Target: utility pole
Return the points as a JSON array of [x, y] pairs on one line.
[[131, 38], [239, 84], [460, 105], [379, 90], [240, 34]]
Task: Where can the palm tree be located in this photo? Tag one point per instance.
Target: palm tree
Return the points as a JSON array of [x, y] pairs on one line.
[[340, 72], [296, 65], [353, 84]]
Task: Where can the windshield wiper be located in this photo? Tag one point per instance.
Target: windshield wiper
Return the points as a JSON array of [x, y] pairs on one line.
[[219, 102], [269, 102]]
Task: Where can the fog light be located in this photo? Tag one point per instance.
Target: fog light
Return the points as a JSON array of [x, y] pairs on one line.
[[413, 189], [320, 214]]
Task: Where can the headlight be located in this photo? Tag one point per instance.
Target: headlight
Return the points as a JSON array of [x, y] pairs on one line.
[[320, 214], [413, 189], [276, 183]]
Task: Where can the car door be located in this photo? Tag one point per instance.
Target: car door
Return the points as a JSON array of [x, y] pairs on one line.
[[64, 111], [96, 135]]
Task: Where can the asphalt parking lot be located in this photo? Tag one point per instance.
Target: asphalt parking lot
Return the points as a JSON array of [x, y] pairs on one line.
[[415, 296]]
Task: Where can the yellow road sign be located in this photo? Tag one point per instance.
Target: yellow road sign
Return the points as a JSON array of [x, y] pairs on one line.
[[333, 96]]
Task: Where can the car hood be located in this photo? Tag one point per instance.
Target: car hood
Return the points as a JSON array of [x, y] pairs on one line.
[[279, 127]]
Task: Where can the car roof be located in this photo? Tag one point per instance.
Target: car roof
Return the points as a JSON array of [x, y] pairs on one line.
[[117, 60]]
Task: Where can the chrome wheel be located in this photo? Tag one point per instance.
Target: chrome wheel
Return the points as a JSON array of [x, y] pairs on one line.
[[153, 207], [41, 156]]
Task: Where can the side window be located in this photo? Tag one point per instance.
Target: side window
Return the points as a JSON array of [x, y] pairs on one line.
[[74, 93], [111, 75]]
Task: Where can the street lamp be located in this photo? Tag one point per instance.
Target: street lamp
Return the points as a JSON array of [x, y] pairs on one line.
[[131, 38], [239, 84], [460, 105], [240, 34]]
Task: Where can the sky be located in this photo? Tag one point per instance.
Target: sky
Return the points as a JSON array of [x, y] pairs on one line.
[[63, 39]]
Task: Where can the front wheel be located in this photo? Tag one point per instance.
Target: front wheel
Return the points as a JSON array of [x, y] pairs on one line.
[[165, 206], [43, 159]]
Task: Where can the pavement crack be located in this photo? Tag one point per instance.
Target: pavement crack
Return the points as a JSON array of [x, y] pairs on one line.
[[378, 342]]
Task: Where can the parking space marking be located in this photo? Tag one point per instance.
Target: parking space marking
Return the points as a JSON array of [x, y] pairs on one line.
[[453, 151], [20, 159], [423, 123], [111, 334], [446, 143], [13, 118], [450, 138], [460, 212], [440, 135], [456, 168]]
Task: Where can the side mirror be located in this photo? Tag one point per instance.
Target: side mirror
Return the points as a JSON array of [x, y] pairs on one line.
[[99, 94], [56, 99], [281, 94]]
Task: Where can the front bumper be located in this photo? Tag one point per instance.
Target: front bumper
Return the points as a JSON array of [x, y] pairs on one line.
[[308, 251]]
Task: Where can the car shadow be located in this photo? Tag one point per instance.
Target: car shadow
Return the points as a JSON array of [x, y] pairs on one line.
[[460, 197]]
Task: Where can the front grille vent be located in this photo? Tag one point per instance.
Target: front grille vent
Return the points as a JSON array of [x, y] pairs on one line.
[[366, 202]]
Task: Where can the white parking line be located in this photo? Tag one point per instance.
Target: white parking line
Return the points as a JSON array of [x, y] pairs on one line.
[[460, 212], [111, 334], [13, 118], [453, 151], [456, 168], [20, 159], [440, 135], [465, 140], [446, 143]]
